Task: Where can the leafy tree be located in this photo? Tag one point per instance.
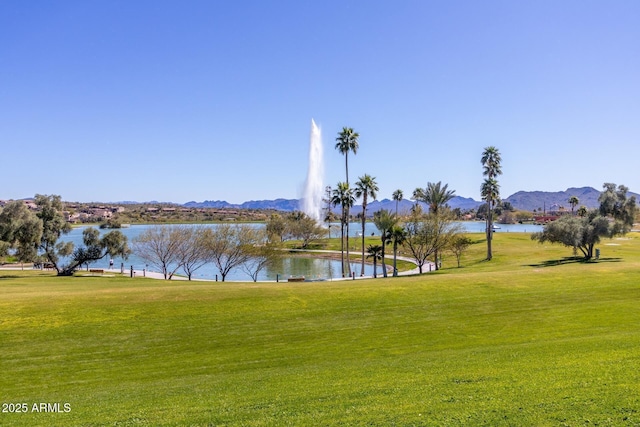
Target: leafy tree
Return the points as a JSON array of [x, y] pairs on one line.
[[427, 235], [343, 196], [490, 190], [614, 203], [398, 236], [436, 197], [384, 221], [459, 245], [397, 196], [95, 248], [347, 141], [375, 252], [54, 225], [582, 211], [276, 228], [20, 229], [614, 216], [301, 226], [365, 187], [573, 201], [577, 232]]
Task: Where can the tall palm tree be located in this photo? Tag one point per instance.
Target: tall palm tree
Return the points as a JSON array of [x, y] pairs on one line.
[[490, 192], [573, 201], [397, 236], [384, 221], [397, 196], [347, 140], [343, 196], [491, 163], [365, 187], [375, 252], [436, 196]]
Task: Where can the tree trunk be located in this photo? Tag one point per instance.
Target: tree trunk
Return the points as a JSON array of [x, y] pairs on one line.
[[395, 258], [384, 265], [342, 243], [489, 232], [364, 220], [348, 264]]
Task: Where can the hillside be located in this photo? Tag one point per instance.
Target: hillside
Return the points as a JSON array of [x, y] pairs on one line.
[[522, 200]]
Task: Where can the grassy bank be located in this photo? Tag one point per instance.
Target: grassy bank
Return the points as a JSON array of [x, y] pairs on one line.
[[530, 338]]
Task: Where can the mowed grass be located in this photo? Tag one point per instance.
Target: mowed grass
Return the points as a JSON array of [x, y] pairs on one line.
[[530, 338]]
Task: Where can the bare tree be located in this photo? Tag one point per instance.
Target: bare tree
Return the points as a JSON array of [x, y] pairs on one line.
[[192, 253], [260, 253], [226, 246], [161, 247]]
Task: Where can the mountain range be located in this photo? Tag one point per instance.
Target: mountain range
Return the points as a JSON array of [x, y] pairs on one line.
[[522, 200]]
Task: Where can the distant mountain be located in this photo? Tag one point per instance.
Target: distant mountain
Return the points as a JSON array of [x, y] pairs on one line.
[[464, 203], [522, 200], [541, 200], [278, 204], [289, 205]]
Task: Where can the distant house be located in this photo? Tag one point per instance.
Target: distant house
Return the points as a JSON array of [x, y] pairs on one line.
[[543, 219], [100, 213]]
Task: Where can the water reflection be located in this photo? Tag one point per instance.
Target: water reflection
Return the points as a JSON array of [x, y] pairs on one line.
[[282, 269]]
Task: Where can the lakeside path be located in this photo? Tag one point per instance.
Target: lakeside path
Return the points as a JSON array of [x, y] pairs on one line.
[[428, 267]]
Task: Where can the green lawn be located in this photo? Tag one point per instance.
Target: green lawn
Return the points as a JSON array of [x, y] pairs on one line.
[[530, 338]]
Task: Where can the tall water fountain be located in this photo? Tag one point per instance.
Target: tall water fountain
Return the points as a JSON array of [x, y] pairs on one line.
[[313, 190]]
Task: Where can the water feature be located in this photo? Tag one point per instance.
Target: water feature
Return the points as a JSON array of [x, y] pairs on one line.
[[313, 190], [311, 268]]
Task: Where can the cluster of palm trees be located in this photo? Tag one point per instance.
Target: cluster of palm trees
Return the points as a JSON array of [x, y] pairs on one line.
[[345, 196], [435, 195]]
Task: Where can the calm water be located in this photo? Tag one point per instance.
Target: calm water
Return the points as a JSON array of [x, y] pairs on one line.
[[311, 268]]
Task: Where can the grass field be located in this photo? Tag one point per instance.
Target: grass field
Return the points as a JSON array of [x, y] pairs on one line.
[[530, 338]]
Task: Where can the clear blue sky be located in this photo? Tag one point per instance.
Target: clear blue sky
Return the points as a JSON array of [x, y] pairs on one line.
[[212, 100]]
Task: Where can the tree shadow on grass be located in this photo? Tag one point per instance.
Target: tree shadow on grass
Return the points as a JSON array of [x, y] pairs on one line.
[[572, 260]]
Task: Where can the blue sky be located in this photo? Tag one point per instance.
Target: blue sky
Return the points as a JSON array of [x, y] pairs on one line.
[[212, 100]]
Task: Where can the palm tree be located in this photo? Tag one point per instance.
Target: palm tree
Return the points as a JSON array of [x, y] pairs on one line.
[[365, 187], [375, 252], [490, 192], [384, 221], [397, 236], [347, 140], [573, 201], [436, 197], [343, 196], [491, 162], [397, 196], [490, 189]]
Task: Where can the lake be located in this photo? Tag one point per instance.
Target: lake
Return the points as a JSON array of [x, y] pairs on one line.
[[311, 268]]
